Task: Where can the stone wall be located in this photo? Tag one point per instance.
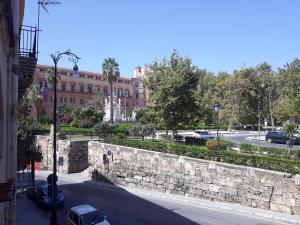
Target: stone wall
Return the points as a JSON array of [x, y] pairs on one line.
[[195, 177], [72, 156]]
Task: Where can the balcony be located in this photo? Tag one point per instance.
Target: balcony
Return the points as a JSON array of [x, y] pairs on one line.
[[27, 57]]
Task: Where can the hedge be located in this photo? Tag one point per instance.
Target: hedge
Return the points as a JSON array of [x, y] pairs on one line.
[[66, 129], [259, 161], [271, 151]]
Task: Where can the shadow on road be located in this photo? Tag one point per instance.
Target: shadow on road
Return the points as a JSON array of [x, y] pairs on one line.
[[120, 206]]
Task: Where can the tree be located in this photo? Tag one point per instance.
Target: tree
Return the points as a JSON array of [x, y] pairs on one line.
[[171, 84], [97, 101], [103, 129], [35, 99], [143, 130], [65, 113], [229, 91], [290, 130], [264, 70], [26, 128], [110, 69], [205, 94], [286, 107], [50, 75]]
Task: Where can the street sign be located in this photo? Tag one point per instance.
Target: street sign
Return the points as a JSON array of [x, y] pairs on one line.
[[109, 152]]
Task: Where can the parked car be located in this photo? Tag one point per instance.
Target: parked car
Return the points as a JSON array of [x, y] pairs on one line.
[[280, 137], [85, 215], [42, 197], [203, 134]]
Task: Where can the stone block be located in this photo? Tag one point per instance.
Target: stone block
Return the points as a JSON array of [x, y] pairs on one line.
[[214, 188]]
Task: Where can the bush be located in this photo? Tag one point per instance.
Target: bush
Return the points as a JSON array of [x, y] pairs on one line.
[[123, 128], [259, 161], [45, 119], [74, 123], [103, 129], [223, 145]]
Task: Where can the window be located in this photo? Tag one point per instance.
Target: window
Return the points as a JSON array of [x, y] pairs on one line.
[[120, 81], [81, 101], [73, 88], [136, 84], [125, 93], [120, 92], [81, 89], [136, 95], [72, 100], [51, 98], [63, 87], [90, 87], [105, 92]]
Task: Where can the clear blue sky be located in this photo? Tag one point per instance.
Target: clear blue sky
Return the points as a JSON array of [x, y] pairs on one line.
[[219, 35]]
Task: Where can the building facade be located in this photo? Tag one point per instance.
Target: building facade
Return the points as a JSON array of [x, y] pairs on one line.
[[11, 12], [78, 90]]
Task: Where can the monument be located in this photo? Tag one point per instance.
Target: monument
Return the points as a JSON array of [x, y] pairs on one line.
[[117, 107]]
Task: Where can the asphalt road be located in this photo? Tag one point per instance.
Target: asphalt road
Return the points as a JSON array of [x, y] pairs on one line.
[[245, 138], [124, 208]]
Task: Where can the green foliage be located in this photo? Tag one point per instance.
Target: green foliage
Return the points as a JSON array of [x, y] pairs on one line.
[[290, 130], [123, 128], [26, 128], [88, 117], [110, 69], [254, 149], [259, 161], [104, 129], [170, 84], [212, 144], [142, 131], [45, 119], [74, 123]]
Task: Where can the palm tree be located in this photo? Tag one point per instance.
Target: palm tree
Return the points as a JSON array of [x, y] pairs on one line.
[[290, 130], [35, 99], [50, 75], [110, 69]]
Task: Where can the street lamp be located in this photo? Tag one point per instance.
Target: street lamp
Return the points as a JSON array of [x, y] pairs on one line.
[[53, 178], [217, 107]]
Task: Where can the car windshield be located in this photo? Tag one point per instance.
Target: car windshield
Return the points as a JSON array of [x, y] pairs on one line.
[[91, 218]]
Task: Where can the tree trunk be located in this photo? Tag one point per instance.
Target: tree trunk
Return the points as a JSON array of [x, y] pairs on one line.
[[111, 103]]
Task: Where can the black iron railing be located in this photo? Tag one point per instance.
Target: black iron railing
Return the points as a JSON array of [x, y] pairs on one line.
[[28, 41]]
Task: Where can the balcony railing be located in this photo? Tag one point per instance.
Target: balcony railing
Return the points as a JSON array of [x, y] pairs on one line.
[[28, 42]]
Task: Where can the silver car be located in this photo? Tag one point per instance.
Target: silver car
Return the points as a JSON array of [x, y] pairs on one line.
[[86, 215]]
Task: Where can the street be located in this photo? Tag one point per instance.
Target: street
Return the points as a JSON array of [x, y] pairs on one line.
[[122, 207], [246, 137]]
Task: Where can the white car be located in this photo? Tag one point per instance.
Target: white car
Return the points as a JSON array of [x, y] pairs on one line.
[[86, 215], [203, 134]]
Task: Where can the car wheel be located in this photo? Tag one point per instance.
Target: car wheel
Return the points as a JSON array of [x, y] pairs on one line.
[[269, 140]]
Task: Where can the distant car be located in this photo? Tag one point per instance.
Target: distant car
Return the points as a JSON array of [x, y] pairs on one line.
[[42, 198], [85, 215], [280, 137], [203, 134]]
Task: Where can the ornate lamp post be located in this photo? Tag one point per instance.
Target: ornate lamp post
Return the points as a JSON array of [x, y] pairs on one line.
[[53, 178], [217, 107]]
